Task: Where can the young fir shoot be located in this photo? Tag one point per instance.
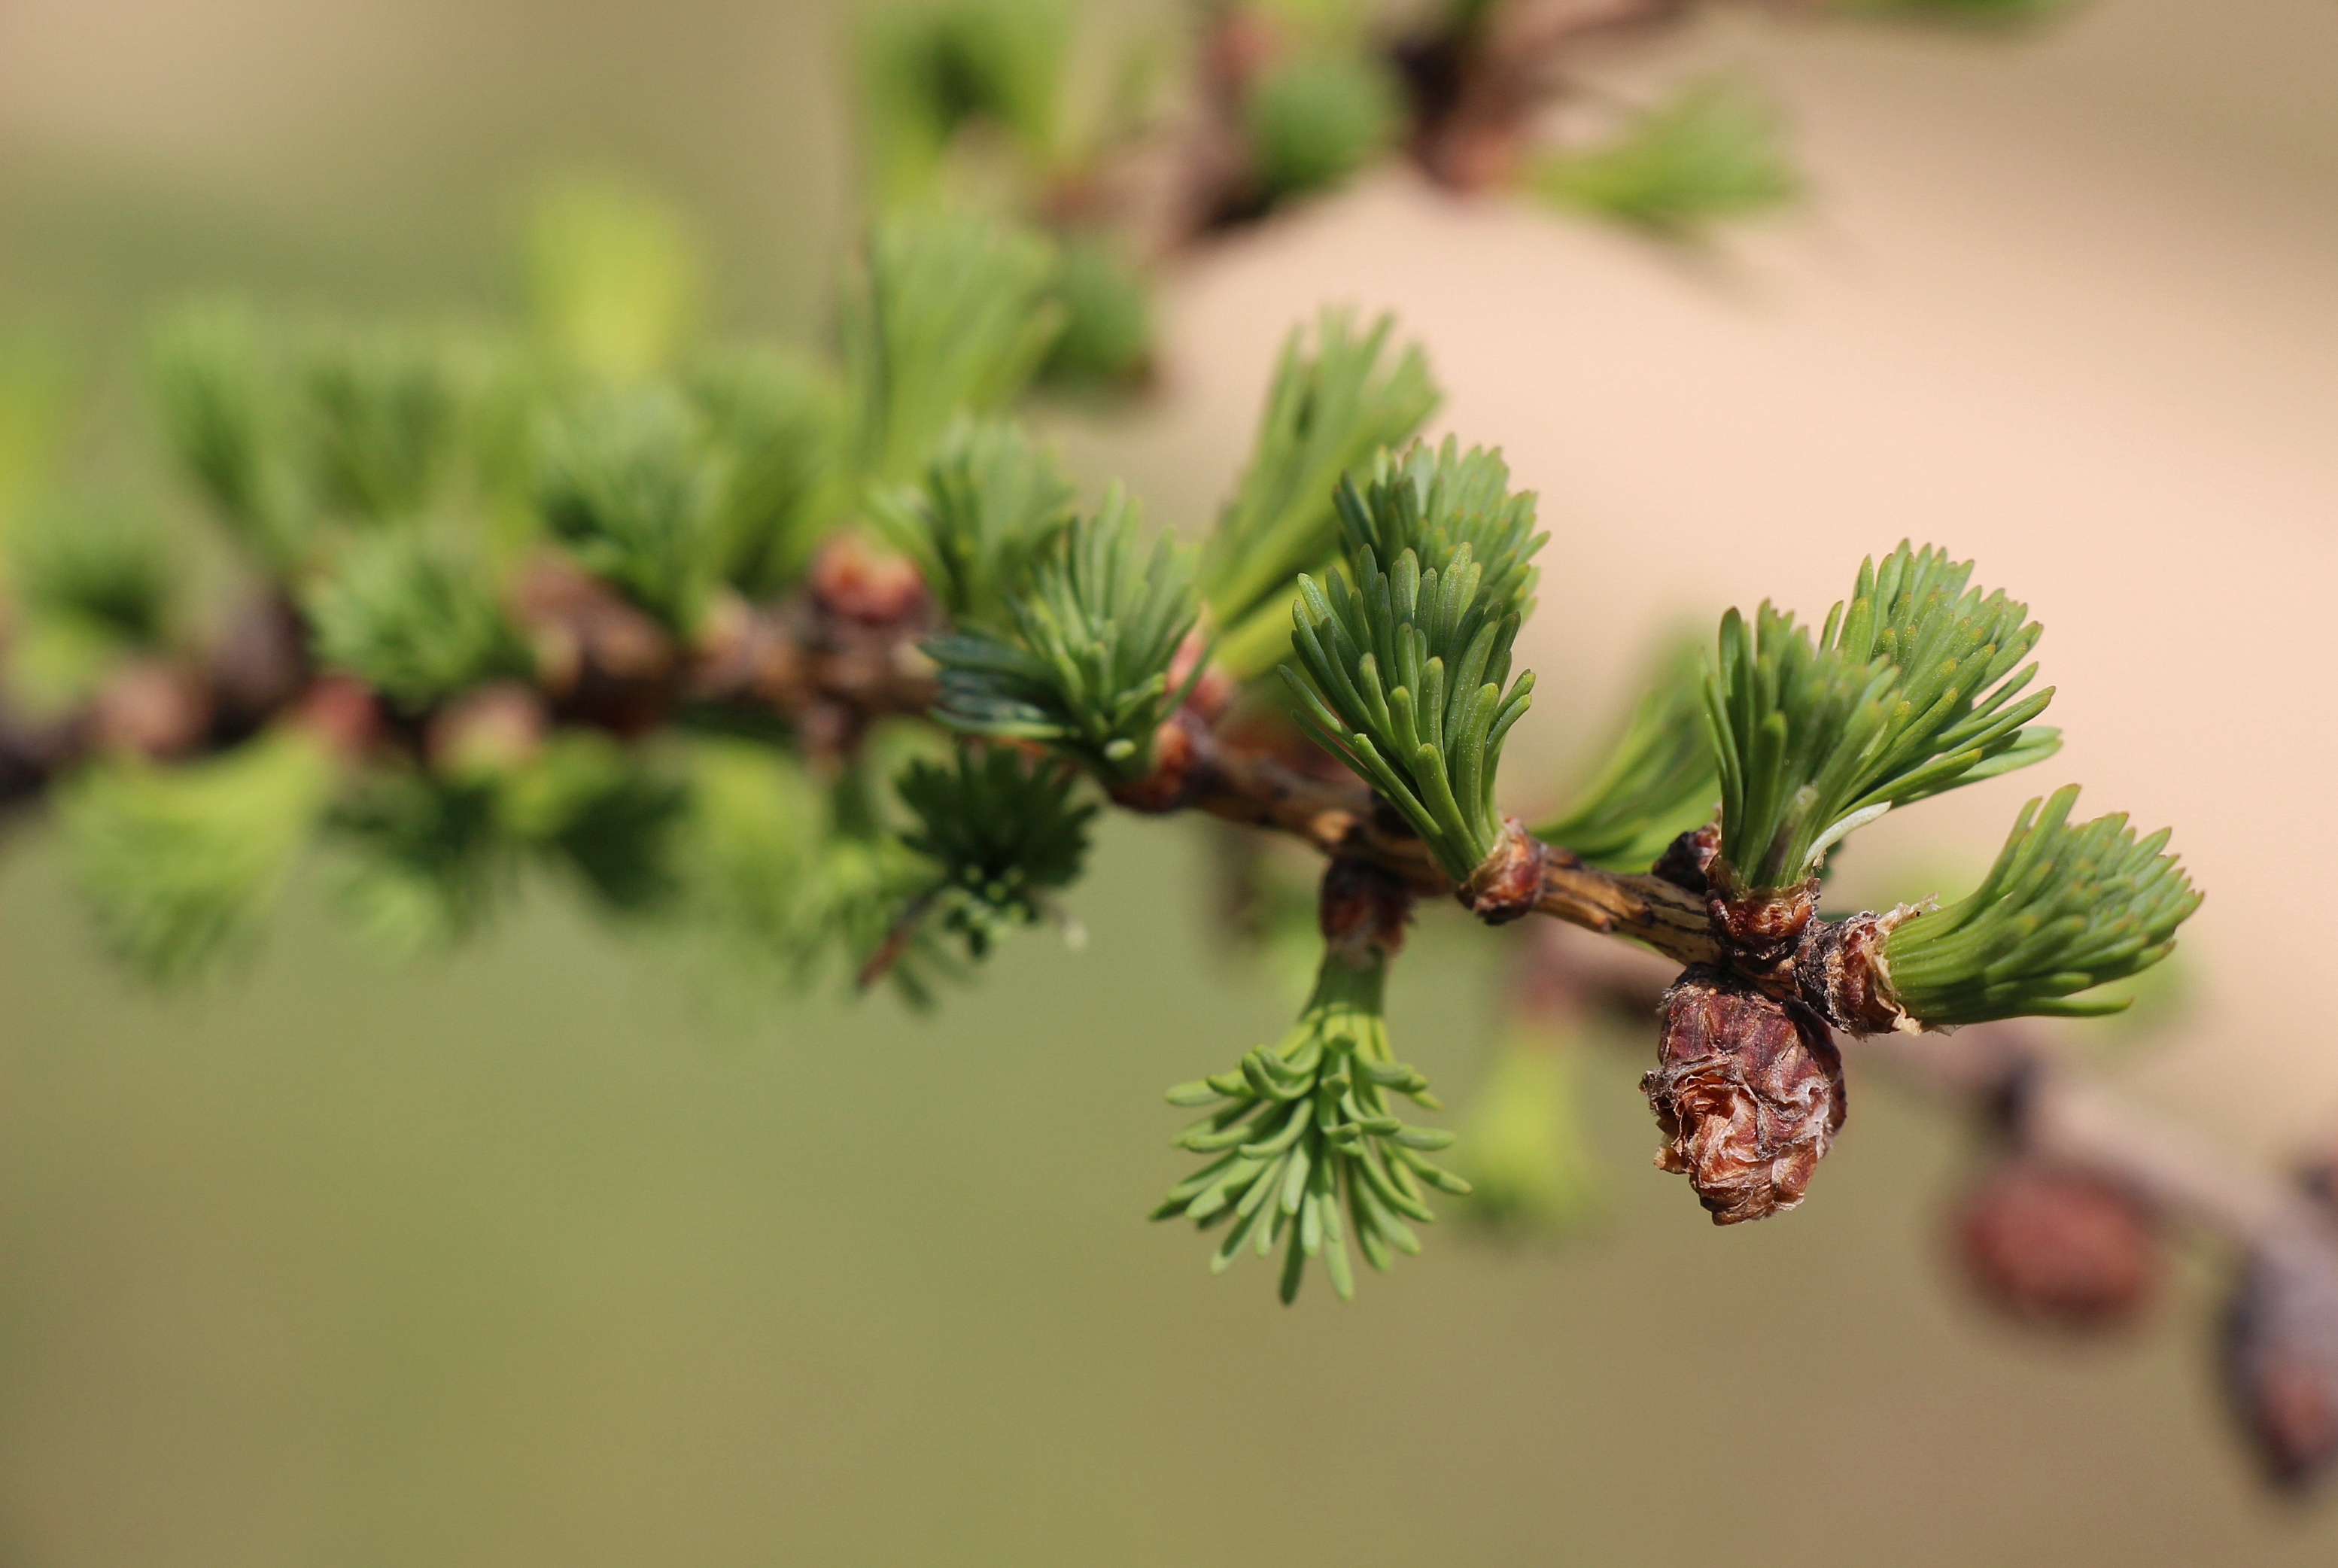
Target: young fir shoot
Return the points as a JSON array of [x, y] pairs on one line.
[[1003, 832], [628, 485], [108, 574], [180, 866], [1097, 625], [1712, 152], [778, 422], [1326, 412], [2065, 907], [992, 499], [1657, 781], [948, 314], [428, 859], [1316, 117], [1401, 662], [1304, 1130], [212, 396], [413, 615], [381, 413], [929, 70], [1909, 691]]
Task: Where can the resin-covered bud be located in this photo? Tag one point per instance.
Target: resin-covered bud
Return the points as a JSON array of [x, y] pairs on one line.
[[1748, 1092]]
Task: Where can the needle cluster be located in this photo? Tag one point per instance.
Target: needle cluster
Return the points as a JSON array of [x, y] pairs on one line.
[[1402, 659], [1910, 689], [1097, 628], [2068, 906], [1303, 1145]]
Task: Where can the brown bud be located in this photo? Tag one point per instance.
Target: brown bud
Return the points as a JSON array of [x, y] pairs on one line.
[[258, 662], [2281, 1360], [1178, 749], [1748, 1092], [602, 658], [496, 730], [1762, 923], [1687, 859], [345, 712], [1213, 690], [1840, 971], [1506, 886], [2055, 1245], [151, 709], [856, 579], [1362, 909]]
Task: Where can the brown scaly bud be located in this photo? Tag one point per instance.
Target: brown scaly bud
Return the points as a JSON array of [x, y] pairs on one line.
[[497, 730], [1213, 690], [1763, 924], [1507, 884], [258, 662], [2058, 1246], [746, 652], [602, 658], [1748, 1092], [1179, 747], [1688, 859], [1839, 969], [345, 712], [854, 578], [2281, 1361], [1364, 909], [150, 707]]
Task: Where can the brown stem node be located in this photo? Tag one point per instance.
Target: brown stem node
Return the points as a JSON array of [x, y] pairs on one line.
[[1508, 884], [1841, 972]]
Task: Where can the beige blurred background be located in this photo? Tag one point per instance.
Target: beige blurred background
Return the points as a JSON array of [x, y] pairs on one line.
[[531, 1256]]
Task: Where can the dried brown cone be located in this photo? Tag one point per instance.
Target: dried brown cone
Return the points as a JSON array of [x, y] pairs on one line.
[[2281, 1362], [1748, 1092], [2054, 1245]]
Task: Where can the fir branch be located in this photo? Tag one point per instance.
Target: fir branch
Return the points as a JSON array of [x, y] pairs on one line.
[[1004, 833], [778, 422], [427, 858], [992, 499], [1303, 1145], [1910, 689], [1712, 152], [1327, 411], [379, 411], [1088, 672], [606, 813], [412, 612], [108, 570], [928, 71], [1400, 671], [1317, 118], [2066, 908], [948, 314], [181, 866], [219, 416], [628, 485], [1656, 780], [1106, 300]]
